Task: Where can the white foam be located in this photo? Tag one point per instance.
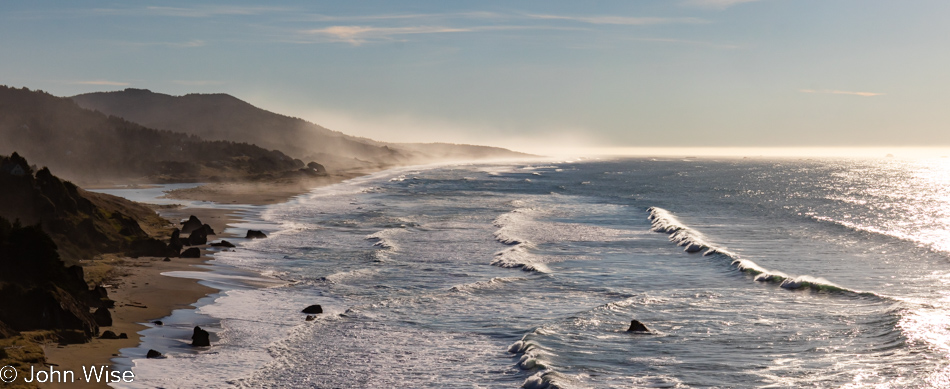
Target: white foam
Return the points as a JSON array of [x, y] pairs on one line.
[[664, 221]]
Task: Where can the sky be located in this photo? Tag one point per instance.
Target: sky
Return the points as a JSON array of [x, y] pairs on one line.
[[528, 75]]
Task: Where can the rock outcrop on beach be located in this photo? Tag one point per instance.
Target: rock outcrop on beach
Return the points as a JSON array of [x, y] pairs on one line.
[[316, 308], [255, 234], [153, 354], [200, 338], [223, 243], [193, 252]]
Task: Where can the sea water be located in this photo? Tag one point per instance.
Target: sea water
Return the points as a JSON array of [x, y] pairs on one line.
[[749, 273]]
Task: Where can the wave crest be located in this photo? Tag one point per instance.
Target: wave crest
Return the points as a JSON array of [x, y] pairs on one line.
[[664, 221]]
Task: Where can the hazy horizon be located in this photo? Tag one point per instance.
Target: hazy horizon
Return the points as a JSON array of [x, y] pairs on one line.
[[538, 77]]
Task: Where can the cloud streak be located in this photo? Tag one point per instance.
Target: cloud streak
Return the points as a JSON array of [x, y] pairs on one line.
[[841, 92], [100, 82], [716, 4], [620, 20], [357, 35]]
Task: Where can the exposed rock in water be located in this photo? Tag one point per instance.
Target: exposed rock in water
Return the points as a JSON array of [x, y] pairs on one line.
[[311, 317], [255, 234], [200, 338], [158, 322], [103, 317], [223, 243], [637, 326], [193, 252], [153, 354], [191, 224], [313, 309]]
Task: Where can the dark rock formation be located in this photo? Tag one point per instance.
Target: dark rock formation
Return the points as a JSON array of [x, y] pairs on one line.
[[636, 326], [151, 247], [153, 354], [158, 323], [318, 168], [193, 252], [200, 338], [175, 243], [6, 332], [103, 317], [255, 234], [313, 309], [190, 225], [46, 307], [311, 317], [167, 259], [109, 335], [223, 243]]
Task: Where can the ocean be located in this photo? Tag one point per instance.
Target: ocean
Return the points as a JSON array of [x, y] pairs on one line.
[[779, 273]]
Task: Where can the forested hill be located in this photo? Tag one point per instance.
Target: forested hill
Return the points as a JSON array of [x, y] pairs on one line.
[[88, 146], [224, 117]]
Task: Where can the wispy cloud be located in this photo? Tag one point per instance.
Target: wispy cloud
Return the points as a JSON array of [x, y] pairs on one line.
[[716, 4], [192, 12], [842, 92], [187, 44], [357, 35], [621, 20], [197, 82], [687, 42], [100, 82]]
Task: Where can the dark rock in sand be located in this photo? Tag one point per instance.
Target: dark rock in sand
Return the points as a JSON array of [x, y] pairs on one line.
[[318, 168], [200, 338], [311, 317], [190, 225], [167, 259], [109, 335], [206, 229], [158, 322], [99, 292], [149, 247], [313, 309], [193, 252], [197, 237], [636, 326], [255, 234], [103, 317], [123, 336], [153, 354], [223, 243], [176, 243]]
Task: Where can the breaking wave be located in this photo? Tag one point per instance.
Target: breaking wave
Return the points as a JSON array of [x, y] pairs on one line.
[[694, 242]]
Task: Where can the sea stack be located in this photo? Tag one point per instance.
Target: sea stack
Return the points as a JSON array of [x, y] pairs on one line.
[[637, 326], [200, 338]]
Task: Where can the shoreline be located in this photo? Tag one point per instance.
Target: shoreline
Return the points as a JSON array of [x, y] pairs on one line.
[[142, 290]]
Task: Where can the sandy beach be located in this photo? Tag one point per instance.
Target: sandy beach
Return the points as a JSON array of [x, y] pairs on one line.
[[143, 294]]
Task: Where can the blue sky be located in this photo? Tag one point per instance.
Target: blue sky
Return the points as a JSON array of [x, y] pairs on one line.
[[763, 73]]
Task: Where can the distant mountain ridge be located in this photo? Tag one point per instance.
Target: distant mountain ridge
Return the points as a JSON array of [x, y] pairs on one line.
[[90, 146], [224, 117]]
